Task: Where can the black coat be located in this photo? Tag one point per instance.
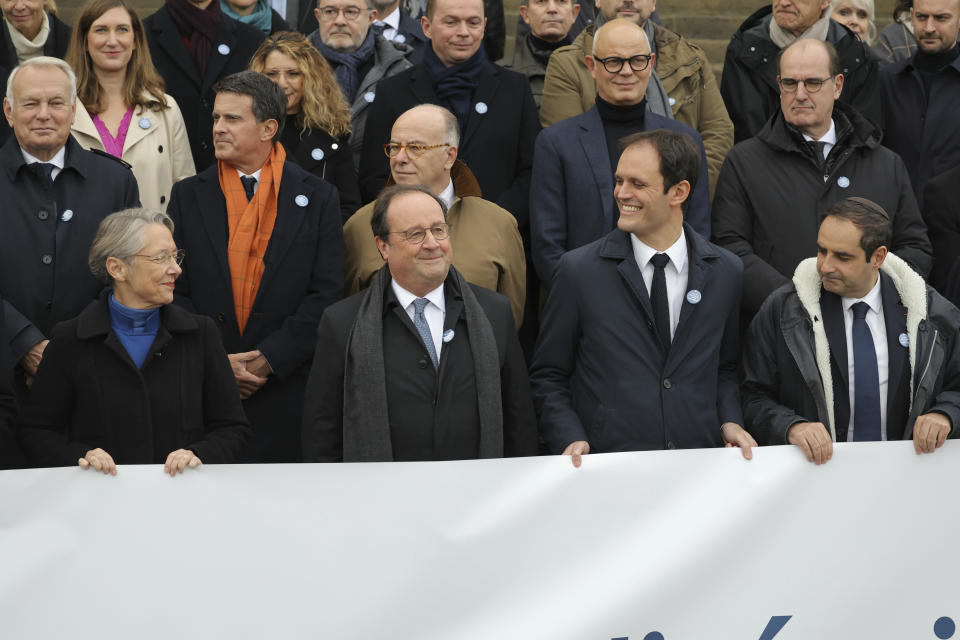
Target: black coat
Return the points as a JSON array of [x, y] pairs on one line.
[[497, 144], [234, 46], [88, 393], [55, 46], [433, 415], [303, 275], [771, 196], [413, 35], [941, 212], [328, 158], [9, 452], [44, 276], [749, 84]]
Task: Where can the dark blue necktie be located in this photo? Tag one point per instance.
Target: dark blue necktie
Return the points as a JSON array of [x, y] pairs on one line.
[[43, 170], [866, 380], [658, 298], [249, 185]]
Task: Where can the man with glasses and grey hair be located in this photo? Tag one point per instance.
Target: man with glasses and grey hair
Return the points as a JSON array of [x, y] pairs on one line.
[[422, 365], [570, 197], [775, 188], [359, 56], [484, 236], [55, 195]]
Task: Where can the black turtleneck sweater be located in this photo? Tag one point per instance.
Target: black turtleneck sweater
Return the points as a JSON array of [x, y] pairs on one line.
[[541, 49], [931, 64], [619, 122]]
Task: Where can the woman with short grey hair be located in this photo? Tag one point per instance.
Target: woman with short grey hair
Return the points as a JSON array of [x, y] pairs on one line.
[[134, 379]]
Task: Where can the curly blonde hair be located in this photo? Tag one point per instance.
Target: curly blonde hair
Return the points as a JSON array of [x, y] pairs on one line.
[[323, 107]]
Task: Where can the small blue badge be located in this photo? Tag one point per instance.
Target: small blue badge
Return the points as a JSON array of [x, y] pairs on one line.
[[481, 107], [223, 50], [301, 200], [448, 335], [904, 340], [694, 296], [672, 101], [317, 154], [334, 146], [67, 215], [399, 38], [369, 96], [843, 182], [144, 122]]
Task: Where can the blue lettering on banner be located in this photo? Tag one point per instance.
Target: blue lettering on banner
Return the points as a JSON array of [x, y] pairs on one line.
[[773, 627], [944, 628]]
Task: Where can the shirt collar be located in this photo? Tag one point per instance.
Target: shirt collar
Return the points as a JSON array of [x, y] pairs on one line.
[[405, 298], [58, 160], [255, 175], [873, 299], [448, 195], [677, 252], [392, 20], [830, 137]]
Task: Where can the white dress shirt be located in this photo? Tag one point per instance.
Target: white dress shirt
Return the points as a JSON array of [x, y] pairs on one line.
[[435, 312], [57, 161], [830, 138], [392, 23], [448, 195], [878, 330], [675, 273]]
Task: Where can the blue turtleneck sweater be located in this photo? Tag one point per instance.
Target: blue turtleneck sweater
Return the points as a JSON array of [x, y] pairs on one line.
[[136, 328]]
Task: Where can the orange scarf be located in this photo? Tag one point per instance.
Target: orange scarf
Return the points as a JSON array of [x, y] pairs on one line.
[[251, 225]]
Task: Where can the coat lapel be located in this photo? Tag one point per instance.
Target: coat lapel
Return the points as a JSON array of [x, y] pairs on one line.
[[836, 333], [213, 214], [617, 246], [227, 38], [698, 271], [422, 87], [898, 383], [486, 92], [594, 148], [288, 223], [168, 38]]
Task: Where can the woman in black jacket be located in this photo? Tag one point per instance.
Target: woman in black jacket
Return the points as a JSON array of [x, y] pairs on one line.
[[134, 379], [317, 130]]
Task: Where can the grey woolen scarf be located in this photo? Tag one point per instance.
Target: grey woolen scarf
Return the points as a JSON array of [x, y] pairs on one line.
[[366, 424]]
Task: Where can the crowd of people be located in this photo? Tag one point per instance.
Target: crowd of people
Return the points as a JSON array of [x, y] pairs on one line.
[[356, 232]]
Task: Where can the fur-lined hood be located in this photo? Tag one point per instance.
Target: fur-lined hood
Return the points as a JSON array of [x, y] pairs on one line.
[[913, 295]]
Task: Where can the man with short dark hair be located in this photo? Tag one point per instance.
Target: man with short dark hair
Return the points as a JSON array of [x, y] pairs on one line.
[[395, 25], [749, 83], [264, 258], [494, 107], [359, 56], [570, 194], [774, 188], [550, 22], [54, 194], [639, 339], [485, 238], [856, 348], [920, 95], [422, 365]]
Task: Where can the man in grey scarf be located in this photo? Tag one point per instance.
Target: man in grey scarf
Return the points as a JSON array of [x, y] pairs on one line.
[[749, 84], [421, 365]]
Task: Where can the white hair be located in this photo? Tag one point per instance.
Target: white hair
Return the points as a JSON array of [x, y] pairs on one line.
[[866, 5], [45, 62]]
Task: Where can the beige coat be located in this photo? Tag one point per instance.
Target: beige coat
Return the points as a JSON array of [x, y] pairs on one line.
[[684, 71], [156, 147], [486, 244]]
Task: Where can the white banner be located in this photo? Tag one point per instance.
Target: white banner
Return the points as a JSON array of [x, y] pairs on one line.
[[679, 545]]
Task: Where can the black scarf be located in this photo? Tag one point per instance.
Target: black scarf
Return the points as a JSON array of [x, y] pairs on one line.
[[346, 64], [199, 25], [454, 85]]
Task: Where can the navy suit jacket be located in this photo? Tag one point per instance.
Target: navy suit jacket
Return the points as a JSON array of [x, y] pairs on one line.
[[600, 373], [303, 274], [898, 370], [571, 192]]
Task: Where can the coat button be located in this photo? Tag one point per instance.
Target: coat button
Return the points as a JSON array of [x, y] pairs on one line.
[[220, 317], [671, 445], [422, 363], [163, 199], [46, 258], [43, 215], [204, 145], [667, 384], [160, 149]]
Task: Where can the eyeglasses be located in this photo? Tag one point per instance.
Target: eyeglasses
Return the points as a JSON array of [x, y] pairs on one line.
[[392, 149], [417, 236], [810, 85], [330, 13], [613, 64], [164, 257]]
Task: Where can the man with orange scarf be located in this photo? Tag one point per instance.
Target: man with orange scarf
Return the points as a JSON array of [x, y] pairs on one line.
[[264, 258]]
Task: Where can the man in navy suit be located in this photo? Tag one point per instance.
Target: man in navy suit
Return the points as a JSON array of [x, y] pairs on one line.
[[264, 258], [639, 339], [571, 200]]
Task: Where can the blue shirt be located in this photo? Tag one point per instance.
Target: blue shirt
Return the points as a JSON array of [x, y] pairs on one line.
[[135, 328]]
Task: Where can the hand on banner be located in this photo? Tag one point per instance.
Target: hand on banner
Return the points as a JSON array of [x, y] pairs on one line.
[[930, 431], [250, 370], [736, 436], [99, 460], [179, 460], [577, 449], [813, 438]]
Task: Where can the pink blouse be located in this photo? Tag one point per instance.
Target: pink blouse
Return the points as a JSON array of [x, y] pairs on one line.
[[113, 146]]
